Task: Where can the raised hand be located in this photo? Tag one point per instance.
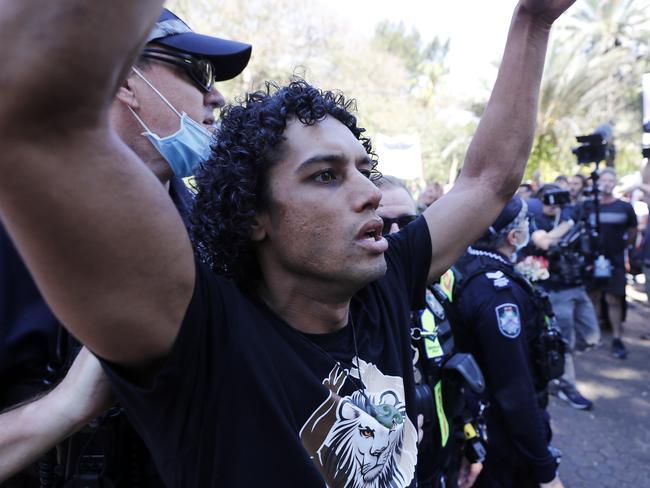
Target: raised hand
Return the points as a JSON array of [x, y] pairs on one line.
[[546, 10]]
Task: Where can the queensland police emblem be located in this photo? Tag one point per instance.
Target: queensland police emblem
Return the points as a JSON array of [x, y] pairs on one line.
[[509, 320]]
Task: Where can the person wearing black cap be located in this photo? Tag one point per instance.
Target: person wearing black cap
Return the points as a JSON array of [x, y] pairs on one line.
[[165, 106], [499, 323], [170, 91], [442, 457]]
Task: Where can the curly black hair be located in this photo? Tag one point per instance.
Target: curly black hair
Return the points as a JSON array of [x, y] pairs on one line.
[[232, 185]]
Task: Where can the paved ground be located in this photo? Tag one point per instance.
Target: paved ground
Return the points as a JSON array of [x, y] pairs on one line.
[[609, 446]]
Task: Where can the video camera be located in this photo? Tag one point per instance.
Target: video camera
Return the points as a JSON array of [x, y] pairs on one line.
[[572, 257], [596, 147], [556, 197], [569, 257], [592, 149], [578, 254]]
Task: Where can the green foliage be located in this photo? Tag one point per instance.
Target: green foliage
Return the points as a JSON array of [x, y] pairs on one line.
[[394, 78], [409, 46], [593, 74], [424, 62]]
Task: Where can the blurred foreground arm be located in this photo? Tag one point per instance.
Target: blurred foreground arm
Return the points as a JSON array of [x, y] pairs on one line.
[[30, 430], [497, 155], [96, 229]]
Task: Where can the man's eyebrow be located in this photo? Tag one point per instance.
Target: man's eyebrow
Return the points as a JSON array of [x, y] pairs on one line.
[[323, 158], [334, 158]]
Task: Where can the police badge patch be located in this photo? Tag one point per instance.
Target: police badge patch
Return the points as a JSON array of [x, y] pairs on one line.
[[509, 320]]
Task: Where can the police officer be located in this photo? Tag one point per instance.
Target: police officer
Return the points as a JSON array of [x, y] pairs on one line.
[[439, 391], [499, 324], [170, 95]]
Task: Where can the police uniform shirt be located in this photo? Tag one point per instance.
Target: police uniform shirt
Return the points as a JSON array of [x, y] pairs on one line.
[[498, 318], [30, 336], [436, 455], [245, 400], [28, 329]]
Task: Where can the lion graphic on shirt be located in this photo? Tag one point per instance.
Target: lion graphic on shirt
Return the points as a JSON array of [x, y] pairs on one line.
[[364, 440]]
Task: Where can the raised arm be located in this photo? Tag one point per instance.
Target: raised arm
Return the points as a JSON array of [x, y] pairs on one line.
[[96, 229], [543, 239], [497, 155], [32, 429]]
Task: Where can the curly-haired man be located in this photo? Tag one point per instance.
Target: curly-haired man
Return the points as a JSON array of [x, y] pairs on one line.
[[292, 366]]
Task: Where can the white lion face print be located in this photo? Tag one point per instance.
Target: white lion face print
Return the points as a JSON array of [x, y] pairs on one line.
[[365, 439]]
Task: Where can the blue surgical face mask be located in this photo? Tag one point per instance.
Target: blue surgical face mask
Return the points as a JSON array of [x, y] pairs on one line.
[[183, 150]]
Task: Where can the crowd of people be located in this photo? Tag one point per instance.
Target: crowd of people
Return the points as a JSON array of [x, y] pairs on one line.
[[298, 319]]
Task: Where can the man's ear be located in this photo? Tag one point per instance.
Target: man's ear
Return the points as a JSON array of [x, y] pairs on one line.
[[126, 94], [512, 237], [258, 229]]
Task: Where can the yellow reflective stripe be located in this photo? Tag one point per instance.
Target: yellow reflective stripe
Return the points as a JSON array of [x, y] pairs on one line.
[[442, 418], [447, 284], [432, 348]]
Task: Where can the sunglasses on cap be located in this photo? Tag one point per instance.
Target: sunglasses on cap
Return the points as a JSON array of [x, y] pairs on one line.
[[401, 222], [200, 70]]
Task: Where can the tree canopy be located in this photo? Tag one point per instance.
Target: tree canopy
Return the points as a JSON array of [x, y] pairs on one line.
[[593, 74]]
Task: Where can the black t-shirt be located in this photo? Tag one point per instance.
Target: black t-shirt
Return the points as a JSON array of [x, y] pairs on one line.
[[616, 218], [243, 399]]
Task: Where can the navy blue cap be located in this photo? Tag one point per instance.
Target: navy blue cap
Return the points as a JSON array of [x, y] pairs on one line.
[[228, 57], [509, 213]]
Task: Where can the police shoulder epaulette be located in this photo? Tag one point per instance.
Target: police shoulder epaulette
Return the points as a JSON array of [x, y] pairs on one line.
[[499, 280]]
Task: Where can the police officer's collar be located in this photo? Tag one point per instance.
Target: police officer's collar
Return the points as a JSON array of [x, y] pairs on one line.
[[497, 256]]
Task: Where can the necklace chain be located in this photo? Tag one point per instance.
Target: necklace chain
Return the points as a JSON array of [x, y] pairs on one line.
[[359, 382], [356, 352]]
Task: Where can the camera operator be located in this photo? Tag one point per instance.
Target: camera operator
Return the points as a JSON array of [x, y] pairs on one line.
[[565, 286], [439, 394], [618, 228], [502, 319], [576, 186]]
